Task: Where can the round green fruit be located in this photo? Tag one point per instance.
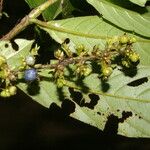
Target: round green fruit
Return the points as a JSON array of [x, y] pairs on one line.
[[134, 57], [12, 90], [124, 39], [5, 93], [107, 71]]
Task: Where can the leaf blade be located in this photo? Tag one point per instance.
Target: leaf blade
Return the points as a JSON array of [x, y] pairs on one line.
[[128, 20]]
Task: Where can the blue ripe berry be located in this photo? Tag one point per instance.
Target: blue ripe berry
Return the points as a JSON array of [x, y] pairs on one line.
[[30, 74], [30, 60]]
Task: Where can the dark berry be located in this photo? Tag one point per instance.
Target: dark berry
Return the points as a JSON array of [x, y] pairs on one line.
[[30, 74]]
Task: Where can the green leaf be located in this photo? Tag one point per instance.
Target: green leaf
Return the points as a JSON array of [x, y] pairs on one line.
[[50, 13], [91, 31], [67, 8], [123, 18], [120, 101], [139, 2], [120, 98], [14, 56]]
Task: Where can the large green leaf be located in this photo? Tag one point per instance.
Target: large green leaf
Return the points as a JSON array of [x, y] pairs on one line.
[[92, 31], [122, 17], [120, 98]]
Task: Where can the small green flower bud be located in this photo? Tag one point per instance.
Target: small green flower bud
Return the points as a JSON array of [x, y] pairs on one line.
[[87, 70], [3, 74], [126, 63], [2, 60], [134, 57], [124, 39], [60, 82], [5, 93], [132, 40], [127, 52], [22, 66], [59, 54], [80, 49], [107, 71], [12, 90]]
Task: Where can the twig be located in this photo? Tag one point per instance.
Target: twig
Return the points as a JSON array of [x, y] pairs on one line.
[[1, 5], [25, 21]]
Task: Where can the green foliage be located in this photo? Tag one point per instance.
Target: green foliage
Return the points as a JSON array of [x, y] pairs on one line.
[[103, 78], [49, 14], [127, 19]]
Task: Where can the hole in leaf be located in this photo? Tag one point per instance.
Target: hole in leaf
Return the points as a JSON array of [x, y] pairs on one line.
[[6, 45], [125, 115], [67, 41], [14, 45], [111, 126], [94, 97], [68, 107], [76, 96], [138, 82], [94, 100], [98, 113]]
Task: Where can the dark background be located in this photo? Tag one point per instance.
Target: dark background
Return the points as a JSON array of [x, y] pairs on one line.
[[24, 124]]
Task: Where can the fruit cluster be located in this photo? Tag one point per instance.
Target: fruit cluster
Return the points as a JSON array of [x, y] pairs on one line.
[[7, 78], [118, 51]]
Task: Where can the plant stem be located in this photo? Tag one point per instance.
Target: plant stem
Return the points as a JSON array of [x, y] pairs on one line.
[[1, 6], [25, 21]]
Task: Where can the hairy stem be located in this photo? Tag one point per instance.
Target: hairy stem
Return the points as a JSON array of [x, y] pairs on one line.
[[25, 21], [67, 61]]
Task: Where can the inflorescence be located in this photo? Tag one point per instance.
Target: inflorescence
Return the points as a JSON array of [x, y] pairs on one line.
[[118, 51]]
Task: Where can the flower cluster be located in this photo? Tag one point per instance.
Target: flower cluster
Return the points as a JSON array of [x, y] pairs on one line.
[[7, 77], [118, 51]]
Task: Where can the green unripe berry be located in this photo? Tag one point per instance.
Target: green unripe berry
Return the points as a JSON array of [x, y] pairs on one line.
[[5, 93], [87, 70], [3, 74], [2, 60], [132, 40], [80, 49], [124, 39], [134, 57], [107, 71], [12, 90]]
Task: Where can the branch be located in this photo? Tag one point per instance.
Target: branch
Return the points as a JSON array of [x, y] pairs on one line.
[[1, 5], [25, 21]]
